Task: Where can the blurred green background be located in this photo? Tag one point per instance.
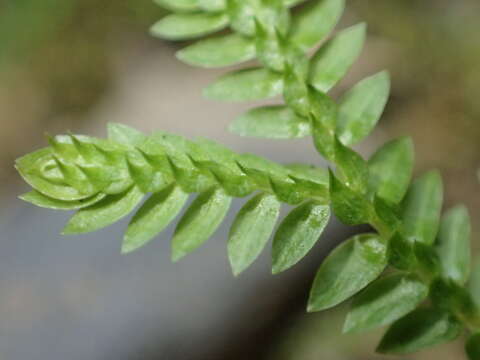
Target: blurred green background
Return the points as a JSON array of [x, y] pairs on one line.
[[77, 64]]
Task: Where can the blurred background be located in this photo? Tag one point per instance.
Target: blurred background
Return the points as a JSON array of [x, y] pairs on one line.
[[78, 64]]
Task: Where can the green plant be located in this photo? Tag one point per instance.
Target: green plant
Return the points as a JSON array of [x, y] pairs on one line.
[[428, 256]]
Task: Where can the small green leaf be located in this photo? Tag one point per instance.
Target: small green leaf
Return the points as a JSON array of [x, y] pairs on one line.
[[246, 85], [297, 234], [332, 61], [473, 347], [179, 5], [104, 213], [187, 26], [391, 170], [200, 222], [361, 108], [421, 208], [251, 230], [314, 21], [347, 270], [153, 217], [224, 50], [213, 5], [125, 135], [323, 119], [295, 91], [418, 330], [36, 198], [352, 167], [273, 122], [401, 254], [350, 207], [454, 244], [385, 301]]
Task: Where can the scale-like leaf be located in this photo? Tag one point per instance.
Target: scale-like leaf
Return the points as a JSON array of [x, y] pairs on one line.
[[188, 26], [385, 301], [473, 347], [36, 198], [352, 167], [361, 108], [251, 230], [422, 207], [350, 207], [314, 21], [200, 222], [332, 61], [390, 170], [454, 244], [104, 213], [153, 217], [347, 270], [297, 234], [246, 85], [224, 50], [418, 330], [124, 134], [273, 122]]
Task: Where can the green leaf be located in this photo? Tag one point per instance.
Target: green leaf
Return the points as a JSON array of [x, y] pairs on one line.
[[390, 170], [273, 122], [179, 5], [332, 61], [454, 244], [104, 213], [473, 347], [200, 222], [246, 85], [418, 330], [422, 207], [350, 207], [213, 5], [40, 170], [314, 21], [352, 167], [125, 135], [361, 108], [385, 301], [219, 51], [251, 230], [153, 217], [323, 119], [401, 254], [36, 198], [297, 234], [187, 26], [347, 270]]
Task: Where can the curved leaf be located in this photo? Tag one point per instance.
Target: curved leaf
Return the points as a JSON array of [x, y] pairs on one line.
[[219, 51], [274, 122], [418, 330], [385, 301], [347, 270], [422, 207], [200, 221], [390, 170], [187, 26], [36, 198], [153, 217], [104, 213], [361, 108], [297, 234], [124, 134], [454, 244], [246, 85], [332, 60], [251, 230], [314, 21], [473, 347]]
